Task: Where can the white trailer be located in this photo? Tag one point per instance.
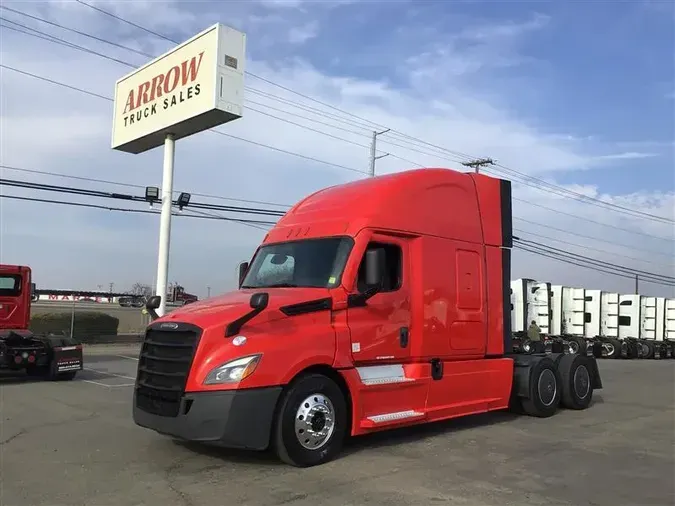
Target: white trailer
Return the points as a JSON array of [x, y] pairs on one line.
[[657, 317], [561, 329], [604, 324]]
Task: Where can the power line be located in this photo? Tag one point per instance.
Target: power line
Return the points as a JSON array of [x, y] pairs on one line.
[[121, 196], [255, 143], [58, 40], [600, 263], [303, 156], [87, 50], [271, 212], [570, 243], [581, 263], [548, 186], [130, 185], [541, 250], [205, 195], [370, 124], [126, 21], [589, 220], [84, 34], [136, 211], [585, 198]]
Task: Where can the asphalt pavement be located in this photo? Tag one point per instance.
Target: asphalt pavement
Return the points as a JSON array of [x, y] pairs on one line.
[[75, 443]]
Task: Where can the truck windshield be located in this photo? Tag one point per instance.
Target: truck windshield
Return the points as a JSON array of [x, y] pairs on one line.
[[316, 263]]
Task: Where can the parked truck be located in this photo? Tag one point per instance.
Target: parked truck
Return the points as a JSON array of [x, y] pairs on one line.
[[46, 356], [605, 324], [371, 305]]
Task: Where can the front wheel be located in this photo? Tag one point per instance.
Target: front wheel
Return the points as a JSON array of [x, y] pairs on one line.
[[311, 422]]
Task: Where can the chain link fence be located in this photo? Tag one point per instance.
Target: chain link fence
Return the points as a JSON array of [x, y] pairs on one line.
[[89, 322]]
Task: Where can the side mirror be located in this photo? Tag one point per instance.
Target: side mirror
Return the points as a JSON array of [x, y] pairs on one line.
[[243, 268], [258, 304], [374, 267], [152, 304], [259, 301], [32, 290]]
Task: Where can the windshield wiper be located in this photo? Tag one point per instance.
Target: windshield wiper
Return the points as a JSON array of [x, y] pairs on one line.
[[282, 285]]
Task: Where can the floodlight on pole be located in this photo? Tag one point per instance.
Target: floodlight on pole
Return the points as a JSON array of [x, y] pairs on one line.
[[183, 200], [151, 194]]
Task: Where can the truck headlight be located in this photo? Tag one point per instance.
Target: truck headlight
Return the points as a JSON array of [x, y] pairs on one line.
[[233, 371]]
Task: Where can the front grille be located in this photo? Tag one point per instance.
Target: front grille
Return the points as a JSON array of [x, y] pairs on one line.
[[163, 368]]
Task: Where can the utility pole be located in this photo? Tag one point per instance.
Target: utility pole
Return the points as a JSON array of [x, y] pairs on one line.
[[637, 283], [476, 164], [373, 151], [208, 292], [111, 287]]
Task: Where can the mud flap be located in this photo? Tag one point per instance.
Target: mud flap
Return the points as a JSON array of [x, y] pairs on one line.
[[67, 359], [596, 380]]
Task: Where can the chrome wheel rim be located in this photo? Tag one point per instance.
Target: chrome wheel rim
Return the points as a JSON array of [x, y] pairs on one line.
[[314, 421]]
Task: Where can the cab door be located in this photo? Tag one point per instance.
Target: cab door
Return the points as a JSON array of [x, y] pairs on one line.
[[380, 329], [14, 297]]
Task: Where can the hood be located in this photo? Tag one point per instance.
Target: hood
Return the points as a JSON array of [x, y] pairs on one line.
[[232, 305]]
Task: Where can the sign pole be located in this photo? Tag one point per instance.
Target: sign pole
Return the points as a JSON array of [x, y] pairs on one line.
[[165, 222]]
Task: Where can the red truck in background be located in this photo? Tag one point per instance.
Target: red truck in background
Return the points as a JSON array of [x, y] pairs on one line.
[[178, 295], [51, 357], [370, 305]]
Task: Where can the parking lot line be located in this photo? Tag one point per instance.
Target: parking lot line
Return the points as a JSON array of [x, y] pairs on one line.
[[96, 383], [109, 373], [128, 358]]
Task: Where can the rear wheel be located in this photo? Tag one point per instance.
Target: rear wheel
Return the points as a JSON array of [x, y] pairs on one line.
[[649, 350], [544, 394], [632, 349], [613, 347], [597, 349], [575, 375], [577, 345], [311, 422]]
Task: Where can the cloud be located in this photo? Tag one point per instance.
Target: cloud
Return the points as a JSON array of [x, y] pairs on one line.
[[301, 34], [436, 96]]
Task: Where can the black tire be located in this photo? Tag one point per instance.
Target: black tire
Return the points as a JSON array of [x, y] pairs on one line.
[[649, 350], [597, 349], [577, 387], [614, 350], [632, 350], [578, 345], [544, 394], [287, 443], [663, 349]]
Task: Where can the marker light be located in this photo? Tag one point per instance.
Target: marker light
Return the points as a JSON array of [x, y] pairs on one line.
[[233, 371]]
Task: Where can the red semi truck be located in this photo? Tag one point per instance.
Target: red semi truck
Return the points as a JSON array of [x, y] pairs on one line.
[[370, 305], [50, 357]]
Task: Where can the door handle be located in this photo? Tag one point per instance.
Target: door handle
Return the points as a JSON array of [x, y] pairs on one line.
[[403, 337]]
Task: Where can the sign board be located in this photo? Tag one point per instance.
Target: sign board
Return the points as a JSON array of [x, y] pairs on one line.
[[193, 87]]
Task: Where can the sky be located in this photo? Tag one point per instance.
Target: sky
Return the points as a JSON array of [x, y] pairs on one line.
[[579, 95]]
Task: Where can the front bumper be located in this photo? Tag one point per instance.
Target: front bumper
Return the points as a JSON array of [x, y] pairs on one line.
[[232, 418]]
